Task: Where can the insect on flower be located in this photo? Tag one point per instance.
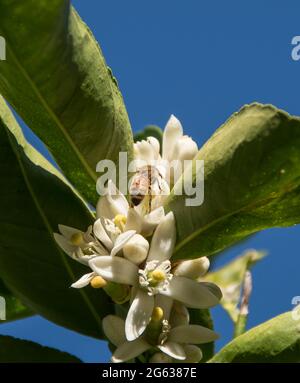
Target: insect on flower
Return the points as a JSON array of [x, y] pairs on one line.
[[145, 184]]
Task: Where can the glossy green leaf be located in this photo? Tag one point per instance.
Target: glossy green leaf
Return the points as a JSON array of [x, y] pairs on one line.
[[13, 350], [57, 80], [230, 279], [275, 341], [251, 182], [14, 308], [34, 199]]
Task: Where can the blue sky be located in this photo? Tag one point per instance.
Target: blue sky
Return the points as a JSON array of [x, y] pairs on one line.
[[200, 60]]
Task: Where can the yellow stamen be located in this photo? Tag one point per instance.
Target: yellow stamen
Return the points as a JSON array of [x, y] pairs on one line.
[[120, 221], [98, 282], [76, 239], [158, 276], [157, 314]]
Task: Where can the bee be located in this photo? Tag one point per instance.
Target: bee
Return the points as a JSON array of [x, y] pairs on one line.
[[142, 185]]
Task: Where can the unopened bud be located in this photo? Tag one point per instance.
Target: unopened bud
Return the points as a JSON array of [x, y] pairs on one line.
[[193, 269], [136, 249]]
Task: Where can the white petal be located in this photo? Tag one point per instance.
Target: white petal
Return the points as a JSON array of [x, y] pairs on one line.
[[130, 350], [160, 357], [155, 145], [121, 240], [193, 353], [101, 234], [151, 220], [163, 240], [139, 315], [112, 203], [213, 288], [193, 294], [192, 268], [173, 132], [115, 269], [83, 281], [179, 315], [192, 333], [146, 152], [173, 349], [68, 231], [64, 244], [185, 149], [114, 329], [134, 220]]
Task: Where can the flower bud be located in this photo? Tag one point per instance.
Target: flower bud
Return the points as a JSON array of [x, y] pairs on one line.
[[193, 269], [185, 149], [136, 249]]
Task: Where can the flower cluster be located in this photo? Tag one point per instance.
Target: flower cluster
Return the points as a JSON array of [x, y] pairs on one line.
[[129, 252]]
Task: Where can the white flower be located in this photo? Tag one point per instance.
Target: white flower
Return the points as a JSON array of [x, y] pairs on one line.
[[115, 207], [101, 239], [154, 279], [176, 148], [79, 245], [174, 342]]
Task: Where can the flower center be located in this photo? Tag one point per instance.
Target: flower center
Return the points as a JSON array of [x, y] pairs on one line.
[[158, 329], [155, 276], [120, 221], [76, 239]]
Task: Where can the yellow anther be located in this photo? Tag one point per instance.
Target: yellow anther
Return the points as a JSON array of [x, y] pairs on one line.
[[158, 275], [157, 314], [98, 282], [120, 221], [76, 239]]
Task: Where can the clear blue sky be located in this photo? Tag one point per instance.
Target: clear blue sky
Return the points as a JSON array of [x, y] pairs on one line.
[[200, 60]]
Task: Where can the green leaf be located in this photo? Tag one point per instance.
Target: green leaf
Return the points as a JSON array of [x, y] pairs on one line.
[[230, 279], [57, 80], [150, 130], [275, 341], [14, 308], [203, 318], [13, 350], [252, 182], [34, 199]]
